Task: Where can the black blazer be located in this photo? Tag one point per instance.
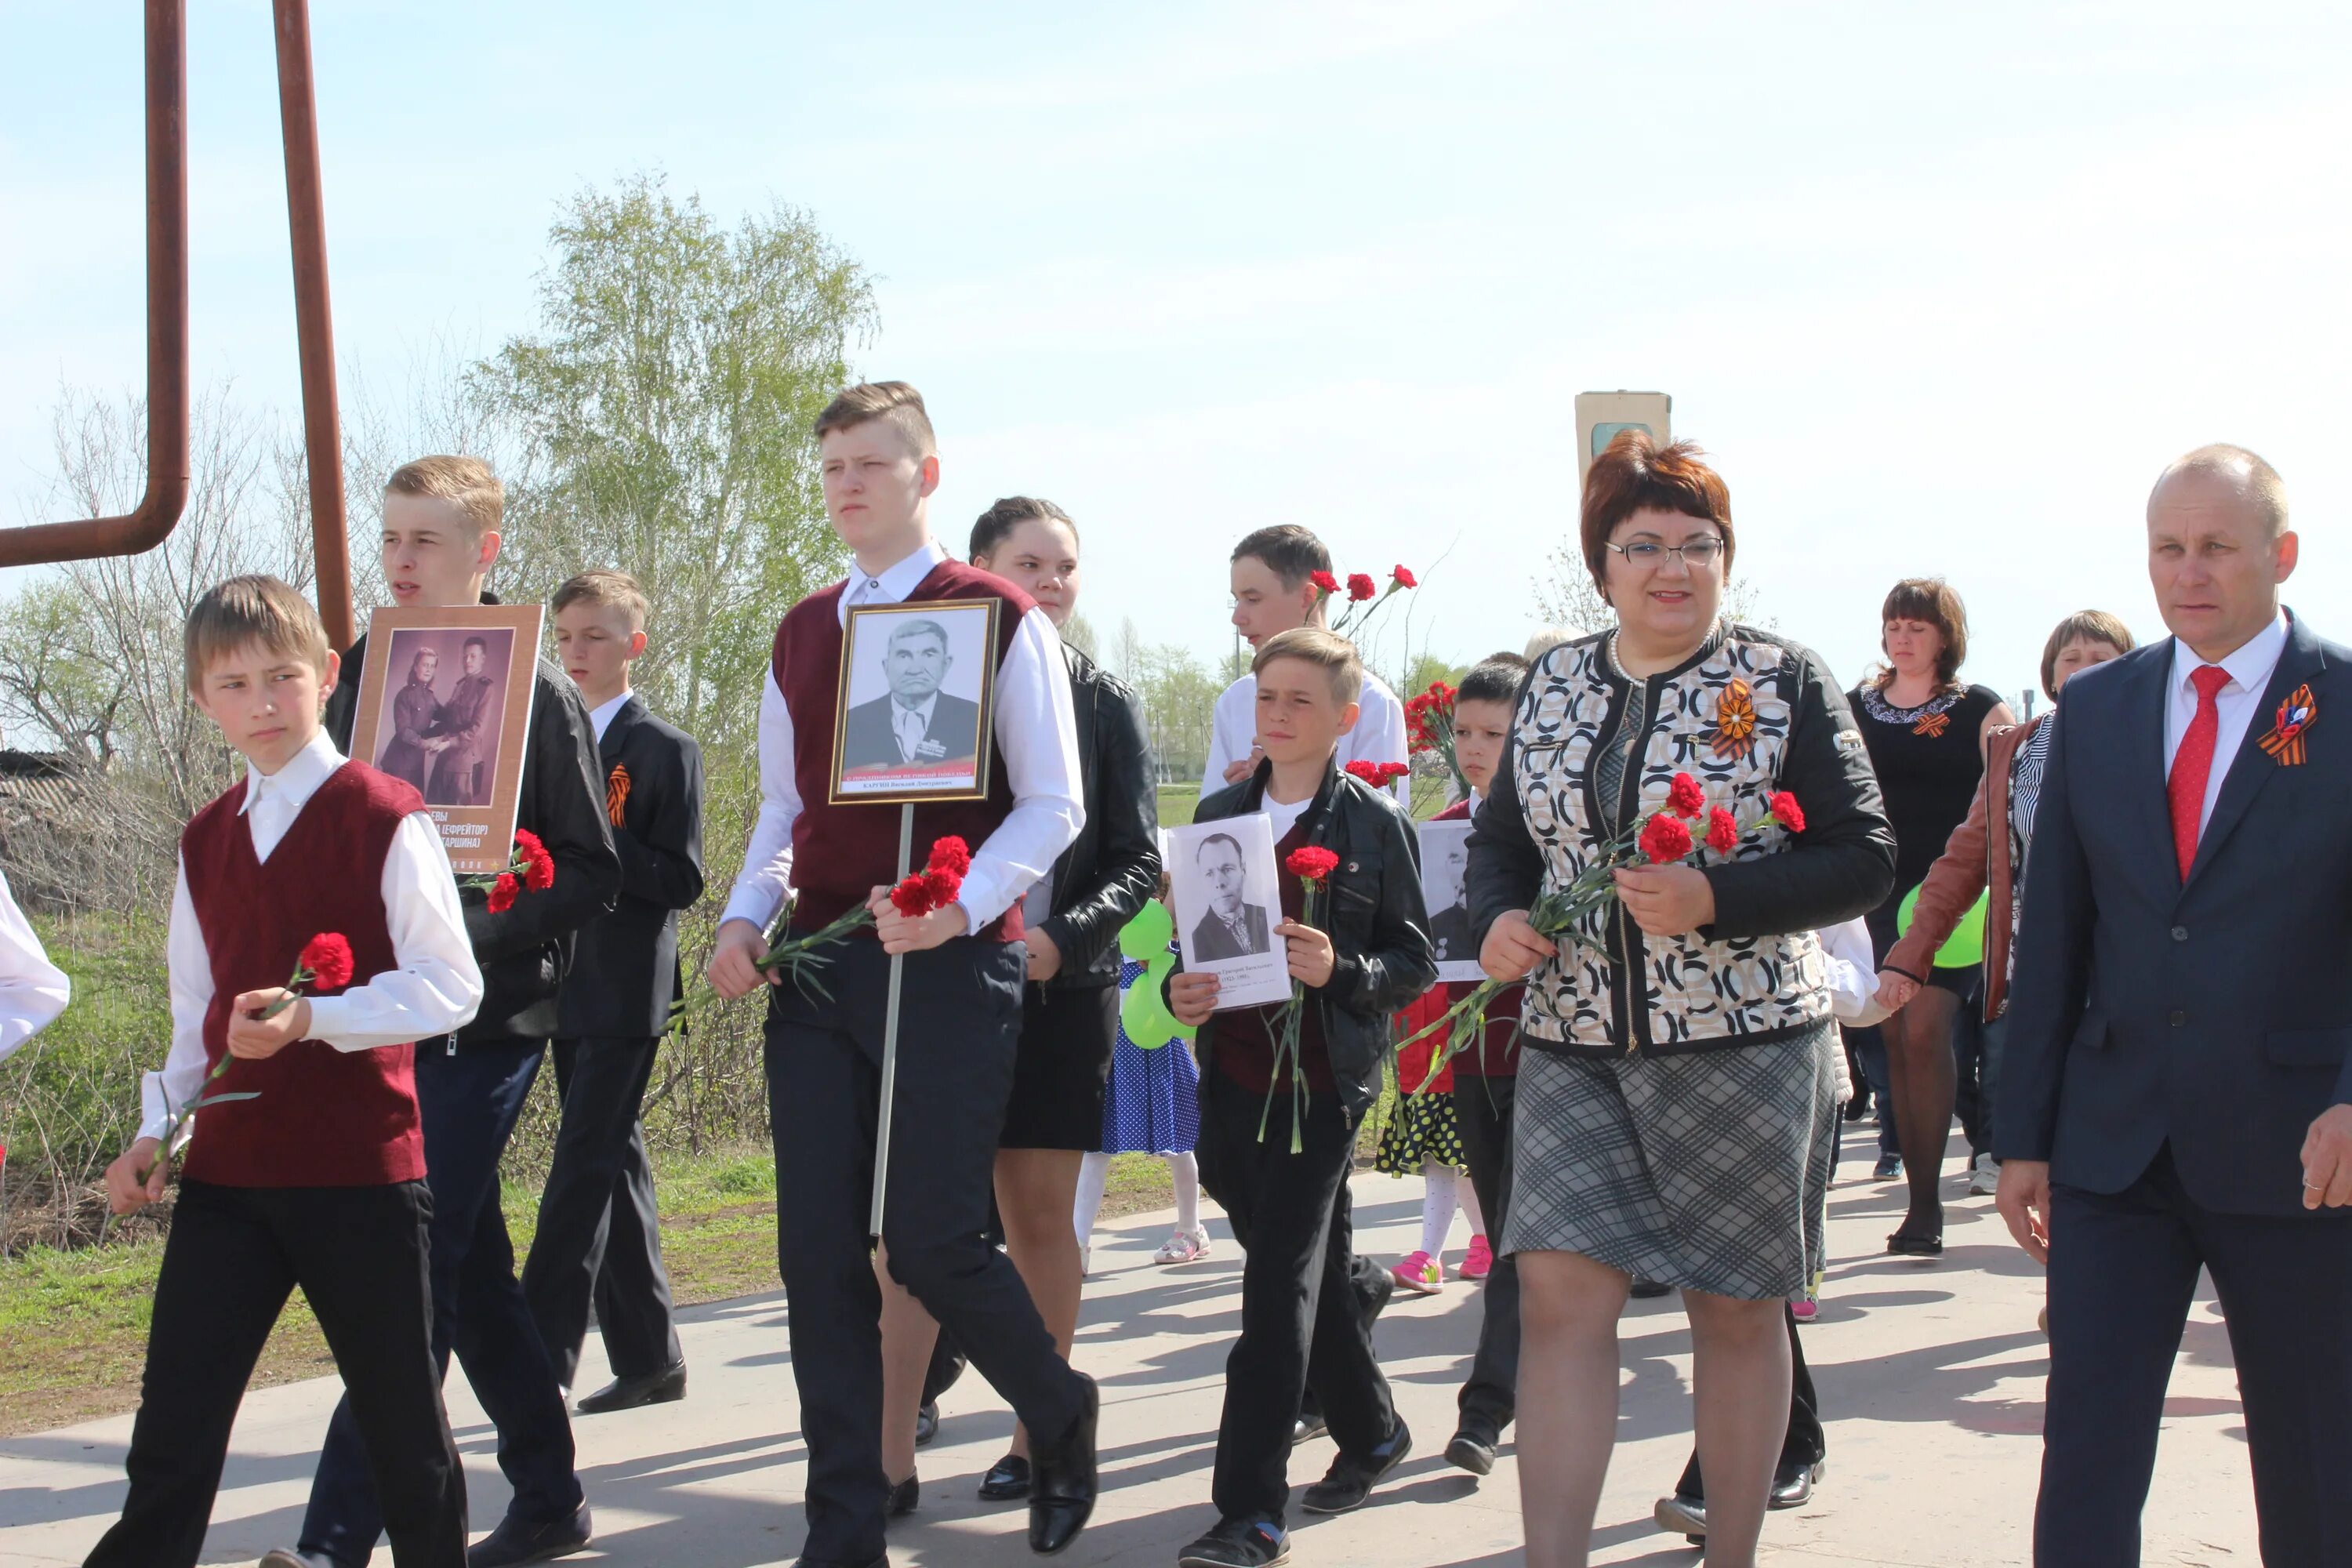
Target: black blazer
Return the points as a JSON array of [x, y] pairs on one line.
[[525, 951], [869, 741], [2212, 1015], [1113, 866], [1213, 938], [624, 974]]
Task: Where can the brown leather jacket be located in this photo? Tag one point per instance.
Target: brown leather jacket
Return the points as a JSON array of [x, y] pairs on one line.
[[1976, 856]]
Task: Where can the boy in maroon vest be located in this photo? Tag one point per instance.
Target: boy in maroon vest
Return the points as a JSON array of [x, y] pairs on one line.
[[317, 1179], [961, 1008]]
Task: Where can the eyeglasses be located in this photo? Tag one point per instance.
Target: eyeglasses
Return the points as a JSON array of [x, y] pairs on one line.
[[1649, 554]]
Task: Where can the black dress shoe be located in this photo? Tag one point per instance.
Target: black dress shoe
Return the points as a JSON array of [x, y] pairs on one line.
[[1063, 1480], [515, 1540], [1351, 1478], [1006, 1479], [1238, 1544], [629, 1393], [1649, 1290], [1309, 1428], [903, 1496], [1683, 1514], [1792, 1483], [927, 1423], [1473, 1449]]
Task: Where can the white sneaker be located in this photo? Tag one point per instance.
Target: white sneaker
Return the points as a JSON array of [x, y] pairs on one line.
[[1085, 1261], [1984, 1180]]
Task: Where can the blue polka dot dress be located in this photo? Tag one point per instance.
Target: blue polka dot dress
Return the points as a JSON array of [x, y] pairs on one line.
[[1153, 1104]]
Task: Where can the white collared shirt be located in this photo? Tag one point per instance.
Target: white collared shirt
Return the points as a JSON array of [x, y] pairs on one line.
[[603, 713], [434, 991], [1036, 731], [1378, 737], [2237, 705], [912, 724], [33, 991]]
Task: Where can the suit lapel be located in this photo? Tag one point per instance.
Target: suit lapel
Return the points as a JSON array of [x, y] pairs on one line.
[[2252, 767], [2144, 793]]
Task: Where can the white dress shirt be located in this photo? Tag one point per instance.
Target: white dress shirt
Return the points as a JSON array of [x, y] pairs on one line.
[[603, 713], [1853, 975], [2237, 705], [912, 724], [33, 991], [1378, 737], [433, 992], [1036, 732]]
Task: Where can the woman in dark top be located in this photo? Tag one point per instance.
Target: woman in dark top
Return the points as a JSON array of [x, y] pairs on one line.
[[1925, 733]]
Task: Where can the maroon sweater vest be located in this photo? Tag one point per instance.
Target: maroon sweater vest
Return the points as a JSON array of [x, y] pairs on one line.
[[841, 853], [323, 1118]]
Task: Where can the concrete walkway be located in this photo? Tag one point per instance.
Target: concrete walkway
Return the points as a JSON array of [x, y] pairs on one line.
[[1930, 1374]]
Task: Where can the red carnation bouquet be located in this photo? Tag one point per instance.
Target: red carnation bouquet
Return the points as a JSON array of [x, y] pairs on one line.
[[324, 964], [530, 866], [1364, 597], [1429, 727], [939, 884], [1312, 865], [1661, 838], [1380, 775]]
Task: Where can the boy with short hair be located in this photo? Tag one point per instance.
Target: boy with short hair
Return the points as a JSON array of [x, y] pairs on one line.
[[960, 1004], [442, 517], [317, 1180], [1370, 956], [33, 991], [1273, 592], [599, 1236]]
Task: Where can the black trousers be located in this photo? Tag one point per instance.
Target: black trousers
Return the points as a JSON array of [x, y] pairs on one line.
[[599, 1236], [1805, 1443], [2123, 1271], [468, 1103], [1482, 1110], [961, 1012], [234, 1256], [1305, 1306]]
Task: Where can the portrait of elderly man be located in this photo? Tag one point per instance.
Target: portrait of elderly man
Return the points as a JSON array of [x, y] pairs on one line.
[[917, 722], [1233, 928]]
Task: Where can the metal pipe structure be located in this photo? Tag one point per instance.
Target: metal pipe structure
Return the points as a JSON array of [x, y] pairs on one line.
[[158, 511], [313, 320]]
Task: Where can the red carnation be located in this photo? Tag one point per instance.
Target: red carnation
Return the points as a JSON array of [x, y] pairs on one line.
[[1665, 839], [1324, 582], [1366, 772], [1392, 772], [1791, 815], [943, 885], [1311, 863], [1686, 797], [1404, 579], [327, 959], [1360, 587], [1722, 831], [503, 892], [911, 899], [950, 854]]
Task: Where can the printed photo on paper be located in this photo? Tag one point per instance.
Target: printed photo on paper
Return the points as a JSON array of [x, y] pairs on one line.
[[445, 707], [914, 714], [1228, 901], [1445, 857]]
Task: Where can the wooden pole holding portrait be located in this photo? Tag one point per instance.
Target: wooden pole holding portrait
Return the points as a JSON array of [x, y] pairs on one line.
[[912, 727]]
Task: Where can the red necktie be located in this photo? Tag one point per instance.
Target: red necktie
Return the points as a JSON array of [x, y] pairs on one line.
[[2193, 765]]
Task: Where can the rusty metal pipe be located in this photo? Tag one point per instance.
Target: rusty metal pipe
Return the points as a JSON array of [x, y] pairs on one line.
[[322, 437], [158, 513]]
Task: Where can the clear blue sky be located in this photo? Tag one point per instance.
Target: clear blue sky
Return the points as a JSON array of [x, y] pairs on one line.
[[1941, 289]]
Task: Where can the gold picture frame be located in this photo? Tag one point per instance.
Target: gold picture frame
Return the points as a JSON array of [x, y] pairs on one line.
[[890, 749]]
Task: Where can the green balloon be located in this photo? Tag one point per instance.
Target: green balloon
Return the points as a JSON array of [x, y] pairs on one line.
[[1965, 945], [1146, 936], [1144, 1016]]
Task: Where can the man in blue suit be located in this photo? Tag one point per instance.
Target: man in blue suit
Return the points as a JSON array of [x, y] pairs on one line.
[[2176, 1092]]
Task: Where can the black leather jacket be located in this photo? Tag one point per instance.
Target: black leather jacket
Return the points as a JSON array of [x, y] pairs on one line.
[[525, 952], [1379, 926], [1113, 866]]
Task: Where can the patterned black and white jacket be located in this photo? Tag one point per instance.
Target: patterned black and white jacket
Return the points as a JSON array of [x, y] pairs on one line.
[[1750, 714]]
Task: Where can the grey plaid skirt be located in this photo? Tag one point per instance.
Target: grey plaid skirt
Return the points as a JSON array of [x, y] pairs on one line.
[[1707, 1170]]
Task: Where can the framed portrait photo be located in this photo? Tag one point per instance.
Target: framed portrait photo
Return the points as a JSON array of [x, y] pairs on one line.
[[1228, 902], [1444, 856], [444, 705], [916, 714]]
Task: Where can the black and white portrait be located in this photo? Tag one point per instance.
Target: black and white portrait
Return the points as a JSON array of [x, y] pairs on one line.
[[1445, 857], [441, 730], [914, 710], [1228, 902]]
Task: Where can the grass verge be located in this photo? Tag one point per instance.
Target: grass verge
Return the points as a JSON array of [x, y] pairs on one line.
[[73, 1324]]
